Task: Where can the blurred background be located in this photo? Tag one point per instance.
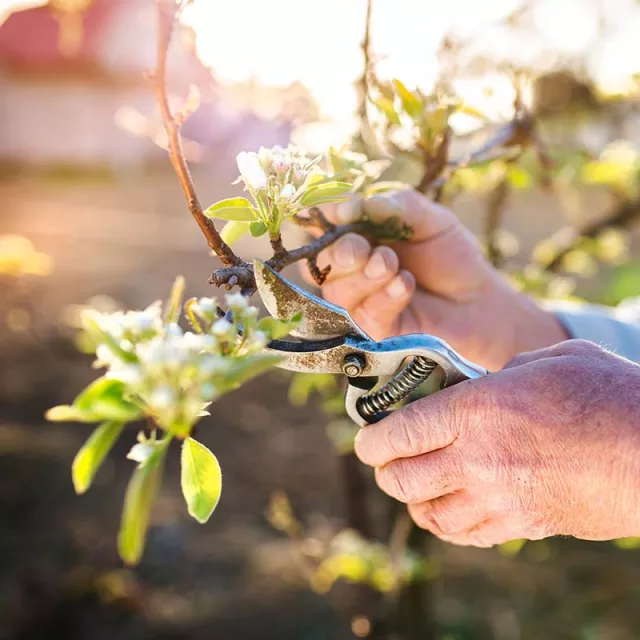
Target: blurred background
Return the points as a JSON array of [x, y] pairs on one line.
[[91, 212]]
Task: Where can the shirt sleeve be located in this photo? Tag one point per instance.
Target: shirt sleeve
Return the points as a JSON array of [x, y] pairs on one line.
[[614, 328]]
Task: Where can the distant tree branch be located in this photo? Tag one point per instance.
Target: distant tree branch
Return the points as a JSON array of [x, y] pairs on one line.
[[366, 54], [568, 239]]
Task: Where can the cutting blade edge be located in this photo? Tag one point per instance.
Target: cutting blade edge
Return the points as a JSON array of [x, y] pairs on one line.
[[284, 299]]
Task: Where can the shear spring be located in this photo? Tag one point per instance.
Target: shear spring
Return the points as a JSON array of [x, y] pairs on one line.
[[397, 389]]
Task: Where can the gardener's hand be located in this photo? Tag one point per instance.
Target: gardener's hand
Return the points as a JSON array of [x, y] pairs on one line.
[[548, 446], [439, 283]]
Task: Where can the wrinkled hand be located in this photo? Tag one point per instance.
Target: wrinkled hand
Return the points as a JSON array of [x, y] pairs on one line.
[[548, 446], [439, 283]]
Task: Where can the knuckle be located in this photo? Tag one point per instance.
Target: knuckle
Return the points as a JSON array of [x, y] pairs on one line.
[[404, 438], [438, 518], [532, 526], [580, 347], [397, 480]]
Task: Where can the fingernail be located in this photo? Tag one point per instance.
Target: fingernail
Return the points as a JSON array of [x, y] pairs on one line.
[[376, 267], [348, 210], [397, 288], [344, 252]]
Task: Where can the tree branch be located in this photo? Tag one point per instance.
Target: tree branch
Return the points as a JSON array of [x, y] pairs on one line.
[[568, 239], [168, 14]]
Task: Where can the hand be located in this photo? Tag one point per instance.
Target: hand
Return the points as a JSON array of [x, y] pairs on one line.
[[548, 446], [439, 283]]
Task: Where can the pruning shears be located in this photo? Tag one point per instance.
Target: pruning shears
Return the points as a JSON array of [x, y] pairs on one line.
[[329, 341]]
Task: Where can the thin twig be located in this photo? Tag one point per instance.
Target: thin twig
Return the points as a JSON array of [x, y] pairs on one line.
[[435, 164], [242, 275], [366, 54], [168, 14], [496, 202]]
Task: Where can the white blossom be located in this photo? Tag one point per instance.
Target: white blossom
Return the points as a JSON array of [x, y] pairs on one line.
[[236, 301], [251, 171], [287, 193], [162, 398], [130, 374], [222, 328]]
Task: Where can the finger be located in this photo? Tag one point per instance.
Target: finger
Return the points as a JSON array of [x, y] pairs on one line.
[[347, 255], [426, 425], [445, 257], [380, 314], [568, 348], [349, 291], [426, 477], [451, 514], [485, 534], [348, 211]]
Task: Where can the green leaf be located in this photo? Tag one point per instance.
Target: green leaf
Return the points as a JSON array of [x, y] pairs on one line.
[[68, 413], [258, 228], [92, 454], [236, 209], [468, 110], [104, 398], [326, 192], [519, 177], [381, 187], [335, 161], [174, 304], [410, 102], [511, 548], [438, 119], [276, 329], [303, 384], [627, 543], [233, 231], [201, 480], [140, 495], [246, 368], [386, 106]]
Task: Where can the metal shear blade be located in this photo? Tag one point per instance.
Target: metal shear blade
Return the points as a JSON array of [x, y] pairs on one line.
[[283, 300], [331, 342]]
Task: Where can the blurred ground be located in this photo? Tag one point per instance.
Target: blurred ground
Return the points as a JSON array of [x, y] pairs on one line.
[[234, 577]]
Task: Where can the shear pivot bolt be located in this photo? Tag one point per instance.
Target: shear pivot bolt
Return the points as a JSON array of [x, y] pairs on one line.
[[353, 365]]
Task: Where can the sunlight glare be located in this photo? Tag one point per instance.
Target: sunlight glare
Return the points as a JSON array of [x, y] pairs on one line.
[[286, 41]]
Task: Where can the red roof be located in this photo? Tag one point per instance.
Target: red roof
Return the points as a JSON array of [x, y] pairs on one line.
[[30, 46], [30, 39]]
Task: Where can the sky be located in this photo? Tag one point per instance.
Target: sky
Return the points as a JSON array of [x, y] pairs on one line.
[[318, 43]]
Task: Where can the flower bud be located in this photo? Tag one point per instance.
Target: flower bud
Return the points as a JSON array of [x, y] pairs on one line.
[[222, 328], [141, 452], [162, 398], [287, 193], [280, 164], [236, 301]]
